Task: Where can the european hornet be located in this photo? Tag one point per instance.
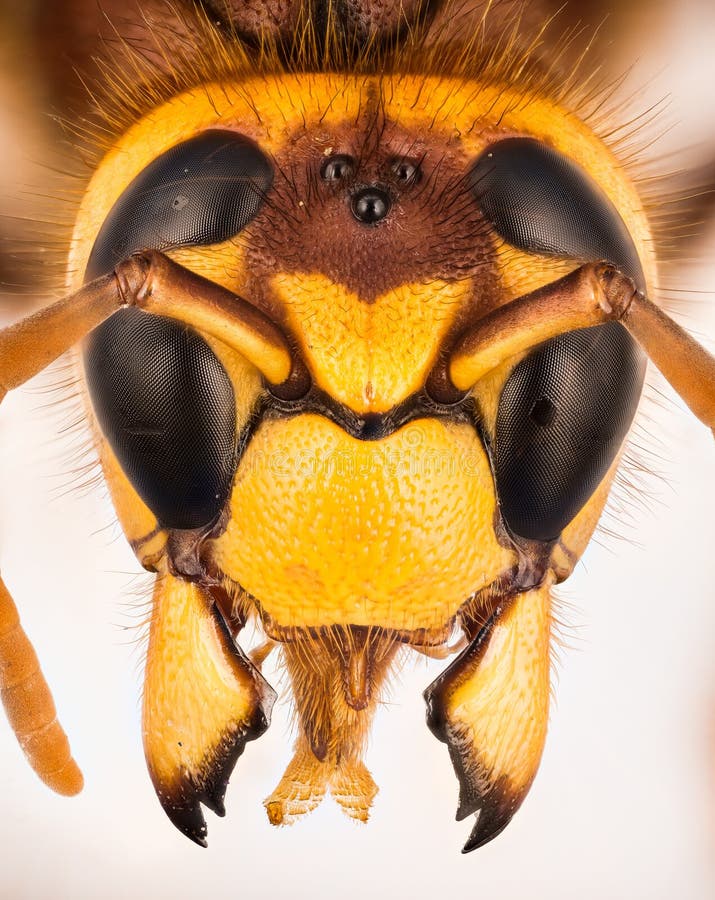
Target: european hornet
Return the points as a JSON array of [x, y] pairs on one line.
[[360, 310]]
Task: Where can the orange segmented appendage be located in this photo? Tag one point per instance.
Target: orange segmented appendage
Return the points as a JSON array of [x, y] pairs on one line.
[[29, 705]]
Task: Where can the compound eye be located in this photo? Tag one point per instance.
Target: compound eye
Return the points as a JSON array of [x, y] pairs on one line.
[[161, 396], [406, 171], [167, 408], [338, 168], [567, 406], [541, 202], [203, 191], [563, 414]]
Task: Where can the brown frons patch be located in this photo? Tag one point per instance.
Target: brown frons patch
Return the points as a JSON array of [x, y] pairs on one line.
[[434, 229]]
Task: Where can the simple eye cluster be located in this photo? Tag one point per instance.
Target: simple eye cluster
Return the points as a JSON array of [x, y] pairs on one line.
[[370, 204], [166, 405]]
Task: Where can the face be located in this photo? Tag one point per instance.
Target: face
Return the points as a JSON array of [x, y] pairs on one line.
[[372, 231], [367, 502]]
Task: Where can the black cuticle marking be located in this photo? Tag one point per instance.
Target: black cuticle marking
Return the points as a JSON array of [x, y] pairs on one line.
[[138, 544], [367, 426]]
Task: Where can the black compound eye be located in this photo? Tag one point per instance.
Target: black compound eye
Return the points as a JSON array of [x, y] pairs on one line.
[[541, 202], [338, 168], [563, 415], [162, 398], [202, 191], [167, 408], [567, 407], [406, 171]]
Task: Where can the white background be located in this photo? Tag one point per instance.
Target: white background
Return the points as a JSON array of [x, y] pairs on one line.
[[624, 804]]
